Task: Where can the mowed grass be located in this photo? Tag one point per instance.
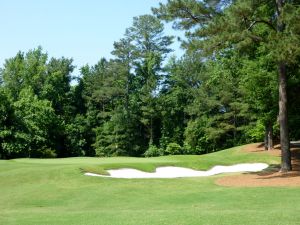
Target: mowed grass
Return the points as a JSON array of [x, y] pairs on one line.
[[55, 191]]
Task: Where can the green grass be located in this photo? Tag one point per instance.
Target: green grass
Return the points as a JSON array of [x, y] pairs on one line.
[[55, 191]]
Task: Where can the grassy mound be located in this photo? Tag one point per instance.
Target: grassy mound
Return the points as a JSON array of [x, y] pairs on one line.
[[203, 162]]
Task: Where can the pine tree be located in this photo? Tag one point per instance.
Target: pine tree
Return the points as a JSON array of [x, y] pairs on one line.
[[215, 25]]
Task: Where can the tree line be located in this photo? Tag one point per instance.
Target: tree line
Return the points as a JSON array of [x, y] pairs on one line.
[[241, 59]]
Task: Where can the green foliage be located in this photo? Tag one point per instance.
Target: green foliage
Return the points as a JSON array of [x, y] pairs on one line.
[[223, 91], [146, 35], [6, 117], [195, 138], [153, 151], [294, 103], [256, 133], [40, 97], [56, 87], [44, 153], [34, 119], [76, 140], [259, 36], [182, 79], [173, 149], [110, 140], [25, 70]]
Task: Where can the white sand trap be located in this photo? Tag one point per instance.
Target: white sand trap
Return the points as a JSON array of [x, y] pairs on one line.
[[176, 172]]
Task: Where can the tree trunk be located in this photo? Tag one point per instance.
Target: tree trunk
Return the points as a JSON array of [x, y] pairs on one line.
[[266, 143], [127, 91], [270, 136], [286, 164], [151, 132], [268, 140], [283, 121]]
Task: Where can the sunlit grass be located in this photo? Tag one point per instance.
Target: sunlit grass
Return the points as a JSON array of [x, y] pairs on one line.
[[55, 191]]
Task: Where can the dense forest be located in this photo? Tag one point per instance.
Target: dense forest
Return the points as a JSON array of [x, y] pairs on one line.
[[233, 85]]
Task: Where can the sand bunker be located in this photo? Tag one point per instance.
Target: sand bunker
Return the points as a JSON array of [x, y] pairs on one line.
[[176, 172]]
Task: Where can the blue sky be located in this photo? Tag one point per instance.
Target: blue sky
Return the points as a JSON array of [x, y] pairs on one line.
[[80, 29]]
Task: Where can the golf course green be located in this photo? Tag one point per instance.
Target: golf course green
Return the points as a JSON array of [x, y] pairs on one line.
[[55, 191]]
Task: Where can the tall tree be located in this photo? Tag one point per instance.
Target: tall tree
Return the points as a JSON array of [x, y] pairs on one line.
[[34, 120], [25, 70], [151, 47], [181, 82], [260, 86], [6, 125], [215, 25], [49, 81], [57, 87]]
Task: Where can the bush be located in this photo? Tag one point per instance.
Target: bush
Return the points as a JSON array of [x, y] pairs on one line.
[[256, 133], [153, 151], [173, 149], [188, 150], [43, 153], [49, 153], [100, 152]]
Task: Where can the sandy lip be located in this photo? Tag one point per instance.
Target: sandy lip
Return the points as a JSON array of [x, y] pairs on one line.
[[177, 172]]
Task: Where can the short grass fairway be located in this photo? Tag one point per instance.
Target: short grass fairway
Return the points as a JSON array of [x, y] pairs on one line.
[[55, 191]]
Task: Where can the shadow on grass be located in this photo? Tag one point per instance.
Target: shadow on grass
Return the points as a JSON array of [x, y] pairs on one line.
[[273, 171]]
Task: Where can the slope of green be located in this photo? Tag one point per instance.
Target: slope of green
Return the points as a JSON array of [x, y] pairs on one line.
[[55, 191], [203, 162]]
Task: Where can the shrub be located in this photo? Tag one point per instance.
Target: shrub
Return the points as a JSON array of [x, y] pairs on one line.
[[173, 149], [49, 153], [153, 151], [100, 152], [188, 150], [43, 153]]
